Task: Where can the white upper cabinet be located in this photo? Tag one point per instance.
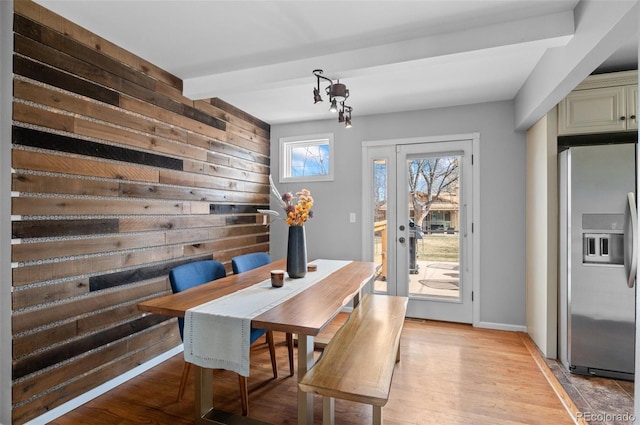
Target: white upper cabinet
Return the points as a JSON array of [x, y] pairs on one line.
[[632, 106], [602, 103]]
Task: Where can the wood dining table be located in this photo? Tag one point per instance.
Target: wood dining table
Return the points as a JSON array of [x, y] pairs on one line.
[[305, 314]]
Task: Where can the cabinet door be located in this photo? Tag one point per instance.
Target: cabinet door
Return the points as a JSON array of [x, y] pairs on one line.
[[593, 111], [631, 94]]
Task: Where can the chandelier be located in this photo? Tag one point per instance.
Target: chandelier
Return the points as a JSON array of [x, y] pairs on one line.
[[338, 94]]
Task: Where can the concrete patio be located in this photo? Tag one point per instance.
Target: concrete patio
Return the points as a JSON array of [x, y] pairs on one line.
[[438, 279]]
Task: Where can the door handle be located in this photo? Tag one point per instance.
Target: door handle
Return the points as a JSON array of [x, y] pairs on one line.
[[630, 240]]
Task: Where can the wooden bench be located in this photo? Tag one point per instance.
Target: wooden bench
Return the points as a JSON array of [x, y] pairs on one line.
[[358, 363]]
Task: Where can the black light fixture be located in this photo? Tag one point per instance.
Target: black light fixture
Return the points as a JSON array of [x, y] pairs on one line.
[[338, 94]]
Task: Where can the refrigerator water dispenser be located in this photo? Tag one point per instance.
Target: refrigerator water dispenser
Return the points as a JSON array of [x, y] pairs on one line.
[[603, 239], [603, 248]]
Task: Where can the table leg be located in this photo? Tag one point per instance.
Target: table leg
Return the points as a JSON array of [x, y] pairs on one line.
[[305, 361], [204, 391]]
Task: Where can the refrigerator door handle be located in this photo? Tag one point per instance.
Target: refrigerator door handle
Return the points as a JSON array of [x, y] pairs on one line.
[[630, 240]]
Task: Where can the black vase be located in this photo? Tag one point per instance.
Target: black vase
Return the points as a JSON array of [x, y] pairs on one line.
[[296, 252]]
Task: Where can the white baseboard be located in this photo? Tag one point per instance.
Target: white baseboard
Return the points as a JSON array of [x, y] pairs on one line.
[[107, 386], [501, 326]]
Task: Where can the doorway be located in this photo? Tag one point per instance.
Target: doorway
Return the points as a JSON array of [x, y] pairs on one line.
[[418, 218]]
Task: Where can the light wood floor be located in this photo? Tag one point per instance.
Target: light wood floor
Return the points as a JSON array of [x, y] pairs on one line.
[[448, 374]]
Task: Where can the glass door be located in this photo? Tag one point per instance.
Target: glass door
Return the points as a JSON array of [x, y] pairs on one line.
[[434, 244], [380, 165], [420, 229]]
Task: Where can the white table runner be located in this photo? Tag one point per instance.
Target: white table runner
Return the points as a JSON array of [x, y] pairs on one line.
[[216, 334]]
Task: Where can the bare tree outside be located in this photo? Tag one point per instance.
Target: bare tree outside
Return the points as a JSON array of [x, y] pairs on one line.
[[310, 160], [380, 189], [428, 179]]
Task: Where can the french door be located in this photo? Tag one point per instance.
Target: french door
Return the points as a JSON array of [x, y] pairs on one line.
[[418, 223]]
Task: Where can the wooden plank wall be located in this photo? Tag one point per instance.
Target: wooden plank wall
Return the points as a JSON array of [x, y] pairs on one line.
[[117, 178]]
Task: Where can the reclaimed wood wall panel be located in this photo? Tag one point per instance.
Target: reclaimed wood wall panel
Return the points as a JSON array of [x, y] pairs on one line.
[[116, 179], [44, 162], [63, 248], [89, 369]]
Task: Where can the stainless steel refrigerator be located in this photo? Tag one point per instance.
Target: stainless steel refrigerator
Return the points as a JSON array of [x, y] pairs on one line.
[[597, 259]]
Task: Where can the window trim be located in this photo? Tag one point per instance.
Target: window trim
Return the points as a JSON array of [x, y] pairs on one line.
[[286, 143]]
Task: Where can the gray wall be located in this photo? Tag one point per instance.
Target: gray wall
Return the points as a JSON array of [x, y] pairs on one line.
[[502, 191]]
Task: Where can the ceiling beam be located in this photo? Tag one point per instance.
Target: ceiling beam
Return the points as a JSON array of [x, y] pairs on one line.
[[601, 28], [555, 29]]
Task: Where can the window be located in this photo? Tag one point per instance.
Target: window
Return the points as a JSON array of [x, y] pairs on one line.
[[306, 158]]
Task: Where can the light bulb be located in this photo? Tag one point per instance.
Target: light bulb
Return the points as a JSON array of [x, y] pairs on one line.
[[334, 106]]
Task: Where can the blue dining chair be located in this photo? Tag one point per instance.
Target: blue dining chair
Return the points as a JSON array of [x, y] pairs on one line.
[[246, 262], [193, 274], [243, 263]]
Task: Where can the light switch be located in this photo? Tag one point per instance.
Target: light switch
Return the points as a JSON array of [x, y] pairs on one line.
[[352, 217]]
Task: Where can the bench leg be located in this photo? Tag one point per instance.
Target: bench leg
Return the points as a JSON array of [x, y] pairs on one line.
[[328, 409], [356, 299], [377, 415]]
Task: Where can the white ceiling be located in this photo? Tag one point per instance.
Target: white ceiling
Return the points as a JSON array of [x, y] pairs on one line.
[[392, 55]]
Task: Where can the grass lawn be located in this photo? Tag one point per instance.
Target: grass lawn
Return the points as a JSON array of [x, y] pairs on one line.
[[438, 247], [435, 247]]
